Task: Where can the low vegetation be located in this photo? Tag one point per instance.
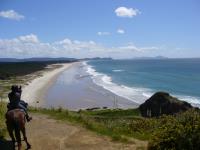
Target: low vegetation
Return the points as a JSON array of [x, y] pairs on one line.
[[12, 70], [16, 73], [180, 132], [2, 119]]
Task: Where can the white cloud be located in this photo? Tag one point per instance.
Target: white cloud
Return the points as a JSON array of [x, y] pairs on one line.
[[65, 41], [103, 33], [132, 47], [29, 38], [30, 46], [150, 48], [126, 12], [11, 14], [120, 31]]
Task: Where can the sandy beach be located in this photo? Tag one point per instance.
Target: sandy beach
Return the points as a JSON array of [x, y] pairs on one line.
[[36, 89], [69, 86]]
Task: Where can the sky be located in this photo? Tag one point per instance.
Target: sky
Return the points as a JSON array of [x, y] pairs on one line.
[[99, 28]]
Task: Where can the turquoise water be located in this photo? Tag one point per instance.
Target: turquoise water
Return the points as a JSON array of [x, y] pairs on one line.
[[137, 80]]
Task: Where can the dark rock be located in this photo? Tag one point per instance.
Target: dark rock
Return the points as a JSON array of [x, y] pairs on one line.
[[163, 103]]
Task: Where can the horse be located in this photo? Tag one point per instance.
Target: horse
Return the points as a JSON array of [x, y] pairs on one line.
[[15, 121]]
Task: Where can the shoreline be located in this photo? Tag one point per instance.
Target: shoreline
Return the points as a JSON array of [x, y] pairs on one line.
[[74, 89], [34, 91], [133, 93]]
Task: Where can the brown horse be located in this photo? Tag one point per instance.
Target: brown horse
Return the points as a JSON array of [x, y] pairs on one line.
[[15, 120]]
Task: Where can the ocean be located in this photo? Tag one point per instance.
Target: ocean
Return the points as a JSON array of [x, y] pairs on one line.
[[136, 80]]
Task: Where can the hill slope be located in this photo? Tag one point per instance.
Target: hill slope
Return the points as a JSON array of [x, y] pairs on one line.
[[46, 133]]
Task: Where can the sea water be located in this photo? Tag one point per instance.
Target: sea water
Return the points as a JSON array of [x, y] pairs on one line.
[[138, 79]]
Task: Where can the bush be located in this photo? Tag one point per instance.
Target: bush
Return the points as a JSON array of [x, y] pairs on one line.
[[181, 132]]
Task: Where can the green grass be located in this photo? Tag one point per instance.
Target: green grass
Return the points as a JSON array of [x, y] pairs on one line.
[[180, 131], [2, 120], [114, 123]]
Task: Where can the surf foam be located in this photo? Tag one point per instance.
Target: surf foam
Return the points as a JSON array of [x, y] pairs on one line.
[[137, 95]]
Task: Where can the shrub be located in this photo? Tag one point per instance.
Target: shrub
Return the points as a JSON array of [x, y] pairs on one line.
[[2, 119], [181, 132]]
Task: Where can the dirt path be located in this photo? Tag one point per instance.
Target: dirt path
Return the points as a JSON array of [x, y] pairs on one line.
[[45, 133]]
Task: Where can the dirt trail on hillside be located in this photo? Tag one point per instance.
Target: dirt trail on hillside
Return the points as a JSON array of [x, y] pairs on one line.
[[45, 133]]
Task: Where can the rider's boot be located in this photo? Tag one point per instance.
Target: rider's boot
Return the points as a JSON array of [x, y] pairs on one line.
[[28, 118]]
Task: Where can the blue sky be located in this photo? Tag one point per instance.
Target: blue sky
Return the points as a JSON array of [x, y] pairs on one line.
[[107, 28]]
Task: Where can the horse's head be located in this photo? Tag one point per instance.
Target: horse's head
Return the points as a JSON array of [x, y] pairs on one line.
[[16, 88]]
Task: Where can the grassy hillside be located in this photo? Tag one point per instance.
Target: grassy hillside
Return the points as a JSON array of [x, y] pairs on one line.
[[179, 132]]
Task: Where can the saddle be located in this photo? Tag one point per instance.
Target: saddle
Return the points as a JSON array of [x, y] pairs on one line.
[[16, 109]]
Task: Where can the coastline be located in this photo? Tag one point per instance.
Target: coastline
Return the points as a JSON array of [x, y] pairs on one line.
[[34, 92], [75, 89]]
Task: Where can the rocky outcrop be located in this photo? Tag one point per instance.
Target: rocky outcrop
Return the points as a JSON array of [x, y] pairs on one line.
[[163, 103]]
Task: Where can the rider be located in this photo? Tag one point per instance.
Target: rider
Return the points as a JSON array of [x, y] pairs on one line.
[[16, 102]]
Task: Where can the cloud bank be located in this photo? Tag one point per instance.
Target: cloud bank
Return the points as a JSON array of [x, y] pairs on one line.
[[30, 46]]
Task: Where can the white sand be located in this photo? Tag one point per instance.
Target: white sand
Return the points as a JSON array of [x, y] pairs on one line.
[[36, 89]]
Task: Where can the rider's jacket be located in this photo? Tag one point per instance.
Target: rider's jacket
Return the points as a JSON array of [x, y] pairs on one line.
[[14, 98]]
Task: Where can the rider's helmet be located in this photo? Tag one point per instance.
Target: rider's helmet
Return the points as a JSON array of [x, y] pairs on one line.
[[14, 88]]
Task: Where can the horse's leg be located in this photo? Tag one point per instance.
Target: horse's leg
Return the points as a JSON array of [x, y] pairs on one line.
[[10, 131], [18, 137], [25, 138]]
